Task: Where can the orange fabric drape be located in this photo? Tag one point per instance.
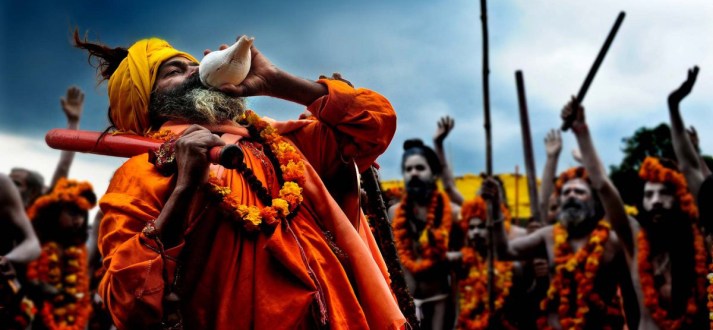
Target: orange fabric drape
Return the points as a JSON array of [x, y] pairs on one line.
[[232, 280]]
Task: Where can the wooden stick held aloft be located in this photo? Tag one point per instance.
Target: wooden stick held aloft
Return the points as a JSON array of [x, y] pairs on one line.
[[595, 67]]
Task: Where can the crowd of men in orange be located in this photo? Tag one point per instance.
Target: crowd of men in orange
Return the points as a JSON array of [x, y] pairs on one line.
[[273, 243]]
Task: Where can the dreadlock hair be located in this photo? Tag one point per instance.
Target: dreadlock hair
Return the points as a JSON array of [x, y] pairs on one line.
[[108, 58], [105, 59]]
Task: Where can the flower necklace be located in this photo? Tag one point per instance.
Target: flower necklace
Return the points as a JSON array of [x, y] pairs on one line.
[[291, 171], [474, 311], [433, 241], [574, 270], [65, 270], [473, 300], [653, 170], [651, 295]]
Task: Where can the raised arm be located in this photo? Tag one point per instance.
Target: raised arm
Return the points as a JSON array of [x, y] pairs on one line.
[[688, 161], [608, 194], [553, 147], [693, 135], [525, 247], [72, 105], [445, 125], [12, 209]]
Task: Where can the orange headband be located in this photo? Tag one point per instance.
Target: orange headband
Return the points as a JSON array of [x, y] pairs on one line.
[[570, 174]]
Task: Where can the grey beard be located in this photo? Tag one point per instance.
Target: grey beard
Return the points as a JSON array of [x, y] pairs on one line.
[[194, 103], [574, 213]]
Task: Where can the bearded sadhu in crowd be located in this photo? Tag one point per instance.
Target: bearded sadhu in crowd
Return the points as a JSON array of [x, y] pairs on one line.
[[608, 270], [268, 241]]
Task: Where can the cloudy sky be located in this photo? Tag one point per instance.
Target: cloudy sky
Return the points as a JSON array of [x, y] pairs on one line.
[[424, 56]]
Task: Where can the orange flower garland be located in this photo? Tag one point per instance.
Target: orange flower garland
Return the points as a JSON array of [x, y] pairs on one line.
[[652, 170], [290, 195], [431, 251], [651, 295], [66, 271], [473, 298], [574, 271]]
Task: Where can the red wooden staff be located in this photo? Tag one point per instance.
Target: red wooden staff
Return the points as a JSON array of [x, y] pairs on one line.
[[128, 145]]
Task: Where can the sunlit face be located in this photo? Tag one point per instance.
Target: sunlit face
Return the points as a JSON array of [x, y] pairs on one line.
[[657, 196], [576, 203], [179, 95], [575, 188], [417, 166], [173, 72]]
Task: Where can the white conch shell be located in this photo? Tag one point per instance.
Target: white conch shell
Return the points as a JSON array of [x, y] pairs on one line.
[[228, 66]]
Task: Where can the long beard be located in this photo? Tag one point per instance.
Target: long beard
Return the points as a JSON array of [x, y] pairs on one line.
[[194, 103], [419, 191], [574, 213], [661, 224]]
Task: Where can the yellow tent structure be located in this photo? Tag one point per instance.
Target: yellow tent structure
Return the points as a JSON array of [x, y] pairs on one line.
[[518, 198]]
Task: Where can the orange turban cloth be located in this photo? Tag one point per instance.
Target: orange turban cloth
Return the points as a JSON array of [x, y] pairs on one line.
[[130, 85]]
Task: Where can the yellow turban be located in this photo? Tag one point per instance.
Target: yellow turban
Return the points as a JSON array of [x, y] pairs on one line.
[[130, 85]]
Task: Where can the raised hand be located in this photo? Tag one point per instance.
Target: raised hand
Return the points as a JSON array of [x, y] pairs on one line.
[[73, 104], [337, 76], [260, 80], [574, 113], [445, 125], [553, 143], [679, 94]]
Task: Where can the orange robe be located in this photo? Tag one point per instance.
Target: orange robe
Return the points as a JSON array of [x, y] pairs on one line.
[[233, 280]]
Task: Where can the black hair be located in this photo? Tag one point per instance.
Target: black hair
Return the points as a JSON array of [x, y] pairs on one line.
[[416, 147]]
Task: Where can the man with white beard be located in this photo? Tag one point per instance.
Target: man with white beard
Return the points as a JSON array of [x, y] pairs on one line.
[[187, 244], [586, 259]]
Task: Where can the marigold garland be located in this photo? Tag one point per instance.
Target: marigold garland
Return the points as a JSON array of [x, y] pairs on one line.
[[654, 171], [290, 197], [651, 294], [65, 191], [574, 271], [430, 251], [65, 269], [473, 298]]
